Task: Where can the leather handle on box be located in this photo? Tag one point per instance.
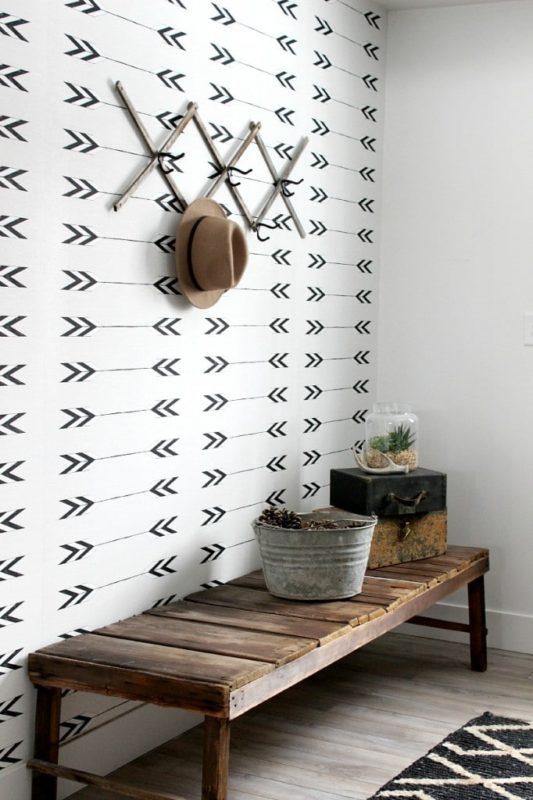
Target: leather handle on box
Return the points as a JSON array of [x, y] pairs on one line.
[[412, 502]]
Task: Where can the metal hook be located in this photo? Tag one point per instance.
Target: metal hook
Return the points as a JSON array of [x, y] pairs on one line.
[[218, 171], [264, 225], [163, 157], [283, 183], [233, 169]]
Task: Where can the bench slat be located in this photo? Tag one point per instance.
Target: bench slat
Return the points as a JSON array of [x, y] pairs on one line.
[[69, 673], [320, 630], [374, 591], [345, 611], [210, 638], [159, 660]]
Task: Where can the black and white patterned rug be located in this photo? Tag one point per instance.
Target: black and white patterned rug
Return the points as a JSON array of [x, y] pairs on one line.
[[489, 758]]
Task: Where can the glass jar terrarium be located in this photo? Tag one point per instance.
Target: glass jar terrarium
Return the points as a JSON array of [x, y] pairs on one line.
[[391, 438]]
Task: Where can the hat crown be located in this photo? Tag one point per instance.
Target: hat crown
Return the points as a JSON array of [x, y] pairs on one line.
[[217, 253], [211, 252]]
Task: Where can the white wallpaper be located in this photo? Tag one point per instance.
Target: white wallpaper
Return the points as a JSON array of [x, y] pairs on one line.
[[139, 436]]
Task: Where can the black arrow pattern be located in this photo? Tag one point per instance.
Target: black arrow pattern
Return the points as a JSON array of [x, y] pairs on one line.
[[8, 568], [221, 94], [212, 552], [8, 423], [10, 472], [222, 55], [80, 142], [287, 43], [9, 614], [11, 26], [323, 26], [81, 96], [9, 520], [9, 375], [288, 7], [80, 188], [223, 15], [8, 661], [10, 326], [8, 757], [172, 37], [163, 567], [9, 226], [81, 49], [71, 728], [75, 595], [85, 6], [102, 273], [9, 128], [79, 235], [9, 279], [10, 178]]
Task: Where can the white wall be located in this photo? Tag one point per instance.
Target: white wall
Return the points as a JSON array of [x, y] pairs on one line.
[[301, 69], [457, 276]]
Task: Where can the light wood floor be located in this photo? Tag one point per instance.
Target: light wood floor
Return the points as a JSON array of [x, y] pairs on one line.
[[345, 732]]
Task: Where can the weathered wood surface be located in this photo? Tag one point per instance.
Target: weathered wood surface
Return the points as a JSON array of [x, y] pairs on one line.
[[215, 767], [372, 715], [199, 652], [47, 769], [321, 630], [46, 740], [88, 676], [221, 639], [342, 611], [207, 653], [141, 657], [253, 694]]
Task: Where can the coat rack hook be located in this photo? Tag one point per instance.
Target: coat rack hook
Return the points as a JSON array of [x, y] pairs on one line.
[[284, 182], [264, 225], [167, 161], [233, 169]]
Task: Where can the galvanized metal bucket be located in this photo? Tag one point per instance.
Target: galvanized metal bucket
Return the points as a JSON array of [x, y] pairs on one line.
[[324, 564]]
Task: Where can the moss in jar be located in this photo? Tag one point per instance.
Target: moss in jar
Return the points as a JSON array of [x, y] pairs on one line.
[[396, 445]]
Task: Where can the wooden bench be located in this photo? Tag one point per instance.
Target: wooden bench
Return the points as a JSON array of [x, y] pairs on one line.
[[223, 651]]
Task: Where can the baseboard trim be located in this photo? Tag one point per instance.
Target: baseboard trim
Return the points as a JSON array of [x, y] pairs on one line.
[[507, 630]]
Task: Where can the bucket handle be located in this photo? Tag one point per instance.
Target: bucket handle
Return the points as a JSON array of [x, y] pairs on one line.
[[412, 502]]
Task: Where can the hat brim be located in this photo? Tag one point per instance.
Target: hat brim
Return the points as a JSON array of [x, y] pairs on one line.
[[199, 208]]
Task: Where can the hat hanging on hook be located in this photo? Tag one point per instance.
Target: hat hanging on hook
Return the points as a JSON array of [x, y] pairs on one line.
[[211, 253]]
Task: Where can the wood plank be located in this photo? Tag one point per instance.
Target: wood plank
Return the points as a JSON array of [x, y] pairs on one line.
[[215, 766], [256, 600], [257, 692], [395, 572], [67, 673], [90, 779], [155, 659], [256, 580], [210, 638], [253, 580], [46, 740], [468, 553], [372, 580], [320, 630], [383, 598]]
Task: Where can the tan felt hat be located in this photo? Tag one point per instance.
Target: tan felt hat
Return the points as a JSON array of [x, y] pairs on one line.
[[211, 253]]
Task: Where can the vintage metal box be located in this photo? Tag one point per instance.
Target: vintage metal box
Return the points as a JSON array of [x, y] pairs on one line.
[[416, 492], [404, 538], [408, 538]]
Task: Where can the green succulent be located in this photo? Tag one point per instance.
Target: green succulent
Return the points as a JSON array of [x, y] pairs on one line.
[[400, 438], [380, 443]]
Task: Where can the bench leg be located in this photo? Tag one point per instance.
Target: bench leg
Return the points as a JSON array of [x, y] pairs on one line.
[[47, 718], [216, 758], [478, 629]]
